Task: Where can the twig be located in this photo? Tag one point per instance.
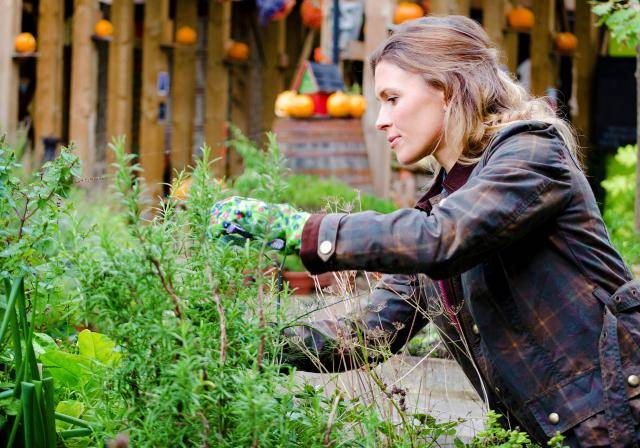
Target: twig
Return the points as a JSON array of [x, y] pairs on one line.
[[206, 428], [167, 286], [223, 328], [261, 324], [332, 416]]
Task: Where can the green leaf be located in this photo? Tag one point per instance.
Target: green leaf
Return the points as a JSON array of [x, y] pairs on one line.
[[70, 407], [97, 346], [42, 343], [67, 369]]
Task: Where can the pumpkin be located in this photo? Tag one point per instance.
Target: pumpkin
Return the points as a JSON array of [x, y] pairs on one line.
[[283, 103], [25, 43], [357, 106], [521, 19], [301, 106], [237, 51], [185, 35], [103, 28], [566, 42], [285, 11], [311, 13], [338, 105], [319, 57], [181, 192], [407, 11]]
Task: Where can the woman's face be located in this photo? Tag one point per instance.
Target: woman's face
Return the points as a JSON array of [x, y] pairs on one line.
[[411, 112]]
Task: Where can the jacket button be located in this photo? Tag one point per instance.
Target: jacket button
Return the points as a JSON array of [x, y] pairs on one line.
[[633, 380], [475, 329], [554, 418], [325, 247]]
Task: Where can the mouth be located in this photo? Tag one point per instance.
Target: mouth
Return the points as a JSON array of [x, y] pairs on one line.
[[393, 141]]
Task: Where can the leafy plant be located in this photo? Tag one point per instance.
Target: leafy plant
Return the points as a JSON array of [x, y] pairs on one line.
[[620, 188]]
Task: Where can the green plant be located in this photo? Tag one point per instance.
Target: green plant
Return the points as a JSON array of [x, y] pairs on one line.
[[28, 213], [620, 189]]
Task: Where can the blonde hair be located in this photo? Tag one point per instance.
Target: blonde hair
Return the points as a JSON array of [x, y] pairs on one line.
[[455, 55]]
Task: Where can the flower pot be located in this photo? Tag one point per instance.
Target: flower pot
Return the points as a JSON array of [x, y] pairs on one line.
[[302, 282]]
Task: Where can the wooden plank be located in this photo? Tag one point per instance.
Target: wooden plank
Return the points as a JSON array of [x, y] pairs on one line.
[[493, 21], [120, 76], [217, 82], [544, 68], [49, 72], [152, 124], [84, 79], [273, 74], [446, 7], [378, 15], [10, 18], [585, 61], [183, 90]]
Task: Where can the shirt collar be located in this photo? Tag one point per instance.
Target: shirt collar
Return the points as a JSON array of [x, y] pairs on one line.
[[455, 179]]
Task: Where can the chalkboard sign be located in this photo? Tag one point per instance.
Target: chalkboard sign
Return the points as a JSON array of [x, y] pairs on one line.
[[615, 111]]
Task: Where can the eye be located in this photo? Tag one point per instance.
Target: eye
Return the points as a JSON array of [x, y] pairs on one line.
[[392, 99]]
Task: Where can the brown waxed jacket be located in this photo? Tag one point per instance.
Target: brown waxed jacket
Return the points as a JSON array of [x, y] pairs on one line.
[[543, 303]]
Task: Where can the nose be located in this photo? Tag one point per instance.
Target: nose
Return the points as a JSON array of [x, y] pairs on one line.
[[384, 120]]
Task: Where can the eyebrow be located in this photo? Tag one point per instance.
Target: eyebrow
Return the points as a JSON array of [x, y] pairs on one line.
[[383, 93]]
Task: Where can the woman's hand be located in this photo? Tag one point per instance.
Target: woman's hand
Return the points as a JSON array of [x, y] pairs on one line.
[[251, 218]]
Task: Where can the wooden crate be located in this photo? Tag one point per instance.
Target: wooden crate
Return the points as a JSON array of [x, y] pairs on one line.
[[326, 147]]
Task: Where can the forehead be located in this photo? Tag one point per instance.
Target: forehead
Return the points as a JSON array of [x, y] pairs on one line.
[[389, 76]]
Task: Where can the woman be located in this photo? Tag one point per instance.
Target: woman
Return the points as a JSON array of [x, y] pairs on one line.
[[539, 308]]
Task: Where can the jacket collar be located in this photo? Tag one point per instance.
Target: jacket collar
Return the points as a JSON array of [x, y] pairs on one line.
[[456, 178]]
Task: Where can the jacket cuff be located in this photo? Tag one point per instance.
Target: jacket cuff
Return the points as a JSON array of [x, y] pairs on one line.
[[309, 245], [319, 237]]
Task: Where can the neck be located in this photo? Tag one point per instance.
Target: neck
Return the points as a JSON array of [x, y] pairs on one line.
[[446, 158]]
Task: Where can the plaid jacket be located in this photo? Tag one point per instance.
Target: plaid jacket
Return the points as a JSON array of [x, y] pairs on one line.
[[542, 309]]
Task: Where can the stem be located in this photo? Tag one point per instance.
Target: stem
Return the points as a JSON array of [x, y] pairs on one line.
[[167, 286], [223, 328], [332, 416], [75, 421]]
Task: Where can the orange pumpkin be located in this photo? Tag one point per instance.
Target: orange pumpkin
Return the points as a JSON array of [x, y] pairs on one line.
[[301, 106], [185, 35], [25, 43], [311, 13], [181, 192], [566, 42], [103, 28], [338, 105], [357, 106], [521, 19], [407, 11], [237, 51], [319, 57], [285, 11]]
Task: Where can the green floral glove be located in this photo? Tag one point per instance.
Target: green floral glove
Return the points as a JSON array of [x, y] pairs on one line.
[[237, 218]]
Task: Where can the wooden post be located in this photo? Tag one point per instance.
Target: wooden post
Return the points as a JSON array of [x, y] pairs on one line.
[[152, 123], [446, 7], [10, 15], [585, 61], [82, 113], [183, 90], [49, 72], [217, 82], [544, 68], [120, 76], [493, 21], [273, 75], [377, 15]]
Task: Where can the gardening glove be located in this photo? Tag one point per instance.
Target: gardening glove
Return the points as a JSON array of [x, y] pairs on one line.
[[237, 218]]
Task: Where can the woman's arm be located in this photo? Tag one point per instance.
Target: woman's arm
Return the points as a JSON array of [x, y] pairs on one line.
[[525, 183], [393, 313]]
